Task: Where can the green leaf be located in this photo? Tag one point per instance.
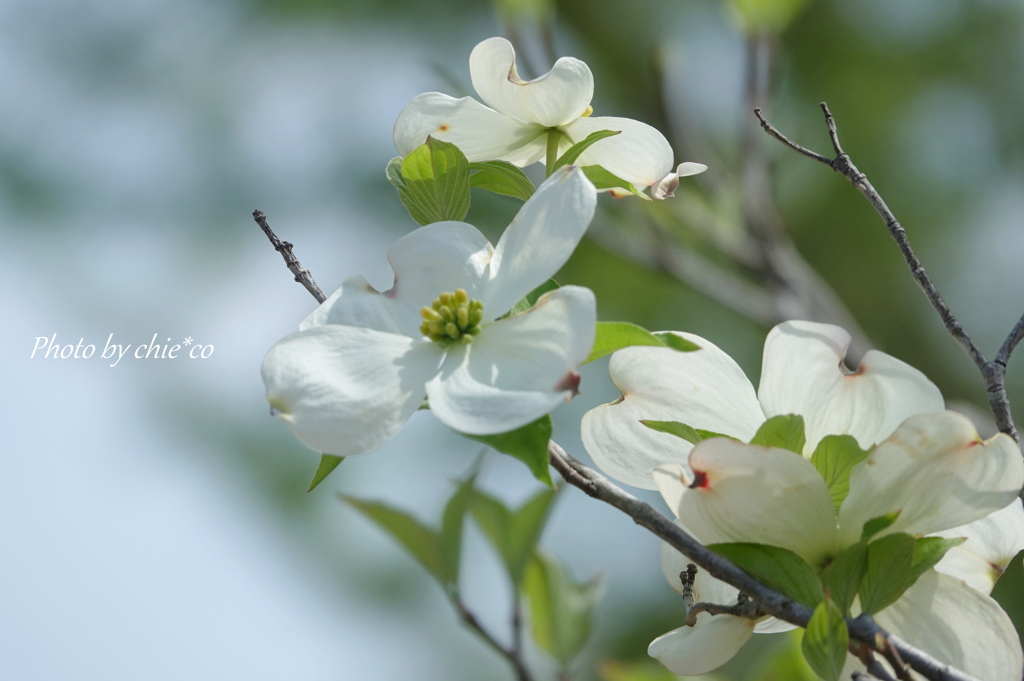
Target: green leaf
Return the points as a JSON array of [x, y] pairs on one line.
[[328, 462], [928, 551], [603, 179], [681, 430], [529, 444], [777, 568], [834, 457], [574, 152], [612, 336], [890, 560], [432, 182], [876, 525], [842, 577], [785, 432], [561, 610], [513, 533], [826, 640], [675, 342], [530, 299], [450, 538], [501, 177], [417, 539]]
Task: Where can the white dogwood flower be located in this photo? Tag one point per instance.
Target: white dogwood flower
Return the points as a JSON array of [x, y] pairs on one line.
[[802, 373], [362, 362], [933, 470], [520, 116]]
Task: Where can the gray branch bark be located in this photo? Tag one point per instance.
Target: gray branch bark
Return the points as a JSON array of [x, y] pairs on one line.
[[863, 628], [992, 372], [302, 275]]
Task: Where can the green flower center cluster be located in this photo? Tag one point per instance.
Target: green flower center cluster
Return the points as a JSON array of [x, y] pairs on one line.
[[452, 317]]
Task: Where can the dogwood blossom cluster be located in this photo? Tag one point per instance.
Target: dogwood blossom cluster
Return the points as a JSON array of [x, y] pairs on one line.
[[456, 332], [926, 465], [520, 117], [361, 363]]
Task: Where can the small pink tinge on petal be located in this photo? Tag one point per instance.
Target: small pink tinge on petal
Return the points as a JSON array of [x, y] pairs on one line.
[[571, 382]]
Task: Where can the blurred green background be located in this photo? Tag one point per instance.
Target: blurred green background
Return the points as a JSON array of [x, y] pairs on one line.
[[155, 519]]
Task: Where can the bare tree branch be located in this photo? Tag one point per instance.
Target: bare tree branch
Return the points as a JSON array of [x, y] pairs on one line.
[[285, 249], [993, 373], [513, 654], [863, 628], [1011, 342], [745, 608]]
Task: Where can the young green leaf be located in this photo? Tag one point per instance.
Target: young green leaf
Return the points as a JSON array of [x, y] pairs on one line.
[[834, 457], [681, 430], [842, 577], [876, 525], [928, 551], [450, 538], [603, 179], [530, 299], [775, 567], [890, 560], [432, 182], [826, 640], [785, 432], [417, 539], [501, 177], [513, 533], [675, 342], [529, 444], [328, 462], [612, 336], [561, 610], [574, 152]]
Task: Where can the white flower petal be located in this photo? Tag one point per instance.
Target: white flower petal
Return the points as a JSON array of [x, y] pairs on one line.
[[638, 154], [481, 133], [802, 375], [992, 543], [438, 258], [557, 97], [764, 495], [666, 187], [706, 646], [517, 369], [346, 390], [957, 625], [704, 389], [540, 239], [771, 625], [356, 303], [937, 472], [671, 479]]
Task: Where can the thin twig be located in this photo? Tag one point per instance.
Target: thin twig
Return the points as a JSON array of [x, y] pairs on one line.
[[517, 626], [285, 249], [876, 670], [513, 656], [1010, 343], [993, 373], [745, 608], [687, 577], [863, 629], [896, 662]]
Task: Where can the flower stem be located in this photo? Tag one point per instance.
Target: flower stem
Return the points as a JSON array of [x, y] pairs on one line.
[[554, 137]]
